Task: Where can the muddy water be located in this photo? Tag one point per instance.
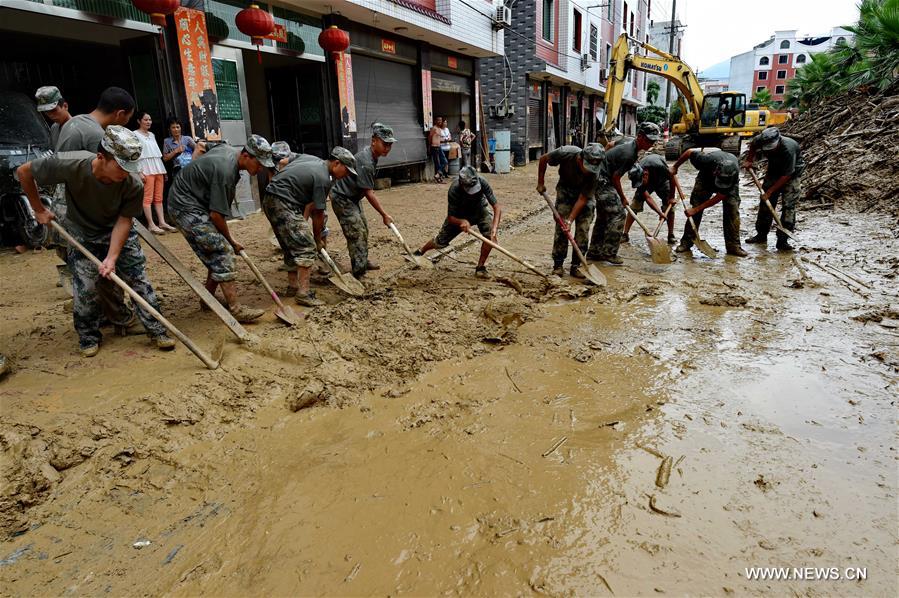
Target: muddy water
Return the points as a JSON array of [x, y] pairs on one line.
[[520, 467]]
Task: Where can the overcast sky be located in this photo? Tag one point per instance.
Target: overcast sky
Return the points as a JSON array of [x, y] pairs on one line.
[[718, 29]]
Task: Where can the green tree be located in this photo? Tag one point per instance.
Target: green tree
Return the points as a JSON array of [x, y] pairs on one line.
[[761, 97], [652, 92]]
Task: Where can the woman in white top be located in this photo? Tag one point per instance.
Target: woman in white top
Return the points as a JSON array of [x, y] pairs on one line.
[[152, 173]]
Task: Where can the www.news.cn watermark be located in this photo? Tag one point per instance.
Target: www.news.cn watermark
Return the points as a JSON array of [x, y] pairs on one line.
[[806, 573]]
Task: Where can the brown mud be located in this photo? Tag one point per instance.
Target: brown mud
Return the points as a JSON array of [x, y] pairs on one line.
[[450, 435]]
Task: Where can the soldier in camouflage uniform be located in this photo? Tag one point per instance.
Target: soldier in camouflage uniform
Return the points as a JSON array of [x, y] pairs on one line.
[[200, 204], [610, 198], [578, 169], [103, 197], [717, 180], [470, 201], [783, 181], [301, 190], [347, 194], [55, 109], [651, 175]]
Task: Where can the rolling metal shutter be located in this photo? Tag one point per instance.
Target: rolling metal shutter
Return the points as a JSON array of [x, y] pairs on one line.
[[388, 92], [535, 128]]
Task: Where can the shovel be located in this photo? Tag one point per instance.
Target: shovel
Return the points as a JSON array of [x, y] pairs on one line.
[[505, 252], [655, 233], [701, 243], [590, 271], [138, 299], [345, 282], [658, 250], [419, 260], [777, 221], [284, 312]]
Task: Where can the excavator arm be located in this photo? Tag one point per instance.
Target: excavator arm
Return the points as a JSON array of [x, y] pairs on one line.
[[662, 64]]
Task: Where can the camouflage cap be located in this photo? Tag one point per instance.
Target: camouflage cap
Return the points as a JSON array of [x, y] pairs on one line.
[[48, 97], [469, 180], [768, 139], [651, 130], [280, 150], [383, 132], [258, 147], [345, 157], [636, 174], [124, 146], [592, 156], [726, 174]]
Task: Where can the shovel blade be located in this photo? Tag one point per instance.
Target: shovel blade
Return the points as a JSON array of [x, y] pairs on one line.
[[420, 261], [287, 315], [593, 274], [704, 247], [346, 284], [659, 251]]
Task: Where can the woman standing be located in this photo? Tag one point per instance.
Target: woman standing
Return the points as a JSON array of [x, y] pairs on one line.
[[177, 149], [152, 173]]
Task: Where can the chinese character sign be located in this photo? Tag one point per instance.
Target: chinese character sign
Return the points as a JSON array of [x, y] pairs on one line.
[[344, 65], [196, 68], [427, 106]]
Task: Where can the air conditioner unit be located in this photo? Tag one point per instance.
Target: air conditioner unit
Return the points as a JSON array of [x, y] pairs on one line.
[[503, 17], [585, 62], [603, 75]]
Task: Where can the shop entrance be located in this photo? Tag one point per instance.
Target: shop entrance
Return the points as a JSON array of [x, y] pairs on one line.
[[296, 108]]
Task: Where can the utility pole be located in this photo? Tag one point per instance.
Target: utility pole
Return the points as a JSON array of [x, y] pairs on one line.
[[671, 32]]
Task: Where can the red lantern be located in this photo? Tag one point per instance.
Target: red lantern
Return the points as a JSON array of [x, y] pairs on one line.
[[255, 23], [334, 40], [157, 9]]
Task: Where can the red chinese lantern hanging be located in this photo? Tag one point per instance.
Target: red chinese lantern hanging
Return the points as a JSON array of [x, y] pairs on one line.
[[157, 9], [334, 40], [256, 24]]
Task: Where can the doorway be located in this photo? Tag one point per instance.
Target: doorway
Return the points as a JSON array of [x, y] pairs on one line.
[[296, 107]]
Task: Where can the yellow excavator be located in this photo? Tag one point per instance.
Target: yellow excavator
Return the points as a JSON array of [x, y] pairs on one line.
[[712, 120]]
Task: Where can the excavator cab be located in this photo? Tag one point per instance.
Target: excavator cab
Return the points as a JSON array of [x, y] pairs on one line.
[[725, 110]]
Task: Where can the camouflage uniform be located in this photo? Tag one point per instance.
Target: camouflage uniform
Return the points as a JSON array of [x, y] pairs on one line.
[[609, 225], [293, 232], [470, 198], [703, 189], [789, 196], [352, 220], [565, 200], [85, 279], [208, 243]]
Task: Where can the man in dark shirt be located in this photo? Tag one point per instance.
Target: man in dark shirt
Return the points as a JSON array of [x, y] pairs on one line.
[[783, 181], [651, 175], [470, 201], [200, 204], [103, 197], [298, 191], [610, 212], [574, 197], [55, 109], [347, 194], [718, 179], [84, 132]]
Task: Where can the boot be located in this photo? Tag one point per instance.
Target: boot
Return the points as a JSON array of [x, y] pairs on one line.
[[757, 239], [612, 260], [784, 245], [683, 247], [625, 238], [481, 272], [736, 250], [308, 299], [164, 343], [372, 265], [558, 271], [672, 239], [90, 350], [244, 314], [575, 272]]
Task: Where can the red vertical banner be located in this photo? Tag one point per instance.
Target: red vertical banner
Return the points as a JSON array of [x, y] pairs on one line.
[[426, 104], [344, 64], [477, 104], [196, 69]]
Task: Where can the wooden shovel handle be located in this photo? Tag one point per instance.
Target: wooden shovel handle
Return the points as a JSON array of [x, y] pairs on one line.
[[683, 203], [565, 229], [137, 298], [780, 226], [637, 220], [505, 252], [662, 221], [261, 279]]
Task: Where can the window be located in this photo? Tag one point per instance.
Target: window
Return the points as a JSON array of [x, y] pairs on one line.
[[608, 55], [760, 88], [784, 45], [610, 7], [632, 24], [781, 74], [763, 76], [841, 40], [576, 37], [783, 59], [624, 17], [778, 90], [763, 61], [548, 13], [594, 37], [800, 59]]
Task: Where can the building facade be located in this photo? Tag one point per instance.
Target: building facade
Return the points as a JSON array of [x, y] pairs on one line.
[[409, 56], [548, 88], [773, 63]]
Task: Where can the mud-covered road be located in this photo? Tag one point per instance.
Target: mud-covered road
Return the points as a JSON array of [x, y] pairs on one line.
[[464, 436]]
